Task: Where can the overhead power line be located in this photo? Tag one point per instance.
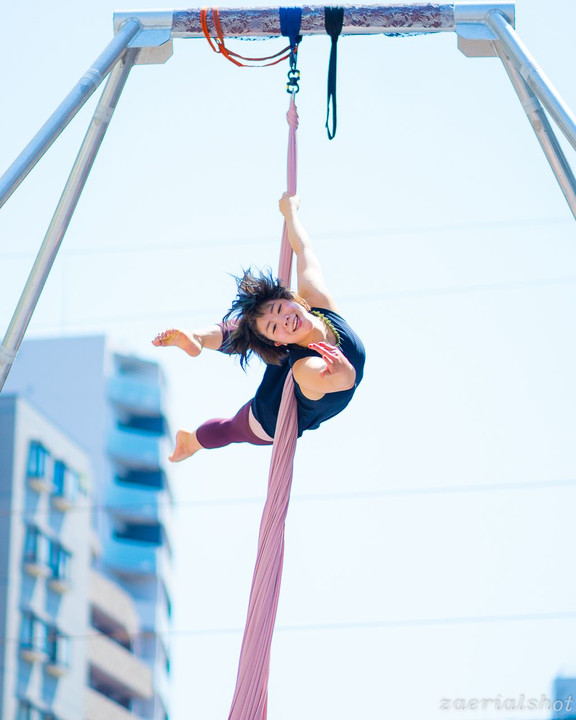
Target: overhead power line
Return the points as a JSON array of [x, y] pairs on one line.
[[480, 225], [384, 295], [340, 626], [317, 497]]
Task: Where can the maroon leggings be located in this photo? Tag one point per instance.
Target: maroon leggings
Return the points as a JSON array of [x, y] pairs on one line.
[[219, 432]]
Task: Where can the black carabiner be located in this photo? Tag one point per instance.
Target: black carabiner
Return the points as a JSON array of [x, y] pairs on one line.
[[293, 80]]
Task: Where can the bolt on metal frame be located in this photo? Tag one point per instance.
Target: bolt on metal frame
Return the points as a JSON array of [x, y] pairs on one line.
[[146, 37]]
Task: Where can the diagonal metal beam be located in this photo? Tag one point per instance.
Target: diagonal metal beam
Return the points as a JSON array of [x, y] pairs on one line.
[[542, 128], [64, 211], [532, 74], [60, 118]]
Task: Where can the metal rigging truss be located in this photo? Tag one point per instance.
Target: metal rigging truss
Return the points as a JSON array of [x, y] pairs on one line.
[[146, 37]]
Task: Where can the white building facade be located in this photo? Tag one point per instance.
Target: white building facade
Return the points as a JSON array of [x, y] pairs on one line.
[[113, 405], [44, 565]]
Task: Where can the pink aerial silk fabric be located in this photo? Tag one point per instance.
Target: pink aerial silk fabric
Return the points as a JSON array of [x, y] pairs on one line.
[[251, 694]]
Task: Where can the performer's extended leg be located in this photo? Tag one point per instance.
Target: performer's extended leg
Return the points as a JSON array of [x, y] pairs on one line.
[[219, 432], [186, 445]]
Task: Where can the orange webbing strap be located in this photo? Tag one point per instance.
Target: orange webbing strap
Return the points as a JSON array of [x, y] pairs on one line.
[[219, 46]]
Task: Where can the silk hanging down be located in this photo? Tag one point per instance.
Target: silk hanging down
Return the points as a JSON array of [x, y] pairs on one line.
[[251, 694]]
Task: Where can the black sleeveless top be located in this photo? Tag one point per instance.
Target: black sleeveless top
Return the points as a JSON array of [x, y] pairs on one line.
[[311, 413]]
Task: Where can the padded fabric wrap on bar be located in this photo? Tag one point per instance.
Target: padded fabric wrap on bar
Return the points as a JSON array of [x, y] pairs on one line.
[[362, 19]]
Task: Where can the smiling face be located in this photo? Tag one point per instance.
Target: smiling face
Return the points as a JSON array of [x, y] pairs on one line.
[[285, 322]]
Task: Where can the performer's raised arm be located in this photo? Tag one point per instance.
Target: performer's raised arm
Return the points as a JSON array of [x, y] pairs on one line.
[[311, 284]]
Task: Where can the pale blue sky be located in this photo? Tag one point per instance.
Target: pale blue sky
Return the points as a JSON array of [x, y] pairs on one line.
[[429, 547]]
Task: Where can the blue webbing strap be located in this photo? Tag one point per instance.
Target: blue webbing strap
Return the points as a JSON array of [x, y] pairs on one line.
[[290, 20]]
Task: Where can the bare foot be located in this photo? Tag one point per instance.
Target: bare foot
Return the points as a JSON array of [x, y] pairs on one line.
[[186, 446], [177, 338]]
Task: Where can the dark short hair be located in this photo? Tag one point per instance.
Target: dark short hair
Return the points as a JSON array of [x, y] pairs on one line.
[[254, 291]]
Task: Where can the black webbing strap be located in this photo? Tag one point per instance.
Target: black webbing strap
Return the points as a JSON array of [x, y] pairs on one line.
[[333, 21]]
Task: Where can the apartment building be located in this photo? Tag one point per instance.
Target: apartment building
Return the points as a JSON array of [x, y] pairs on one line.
[[44, 566], [113, 404]]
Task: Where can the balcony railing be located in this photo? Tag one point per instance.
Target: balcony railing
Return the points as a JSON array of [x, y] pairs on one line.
[[136, 501], [109, 598], [153, 614], [135, 394], [123, 668], [99, 707], [137, 449], [135, 558]]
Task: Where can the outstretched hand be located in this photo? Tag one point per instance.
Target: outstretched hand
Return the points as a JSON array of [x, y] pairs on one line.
[[338, 367]]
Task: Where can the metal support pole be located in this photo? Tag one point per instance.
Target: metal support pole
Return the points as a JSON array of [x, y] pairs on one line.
[[541, 126], [63, 214], [533, 76], [66, 110]]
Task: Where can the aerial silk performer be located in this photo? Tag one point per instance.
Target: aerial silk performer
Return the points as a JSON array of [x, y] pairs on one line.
[[314, 363]]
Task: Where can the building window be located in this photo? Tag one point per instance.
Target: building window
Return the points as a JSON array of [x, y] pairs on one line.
[[36, 552], [111, 629], [145, 533], [149, 479], [38, 467], [66, 486], [33, 638], [109, 690], [152, 424], [166, 598], [27, 711], [37, 460], [162, 655], [58, 650], [60, 560], [23, 710]]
